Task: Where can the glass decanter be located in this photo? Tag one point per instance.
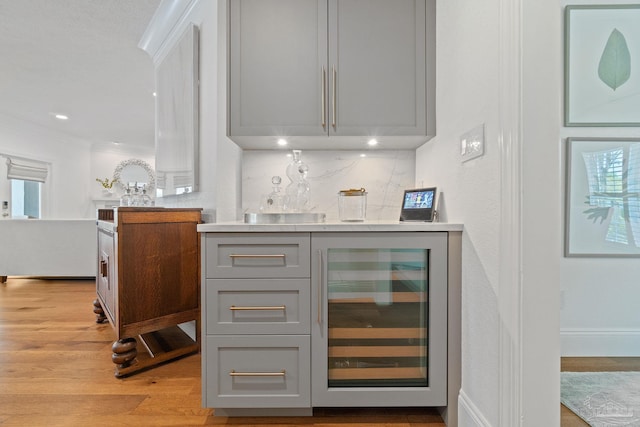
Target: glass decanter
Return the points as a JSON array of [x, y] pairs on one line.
[[298, 188]]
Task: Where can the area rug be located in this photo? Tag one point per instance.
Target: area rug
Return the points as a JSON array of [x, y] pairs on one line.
[[603, 399]]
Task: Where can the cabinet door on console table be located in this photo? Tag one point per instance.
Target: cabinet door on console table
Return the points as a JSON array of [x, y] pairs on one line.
[[155, 283], [106, 281]]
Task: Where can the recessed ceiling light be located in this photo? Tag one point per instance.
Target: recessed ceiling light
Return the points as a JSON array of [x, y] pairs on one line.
[[282, 142], [363, 155], [61, 117], [155, 94], [372, 142]]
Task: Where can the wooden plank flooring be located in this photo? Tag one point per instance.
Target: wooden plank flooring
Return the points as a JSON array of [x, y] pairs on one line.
[[56, 370], [592, 364]]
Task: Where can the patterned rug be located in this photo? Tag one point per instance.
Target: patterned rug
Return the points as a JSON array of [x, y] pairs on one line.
[[603, 399]]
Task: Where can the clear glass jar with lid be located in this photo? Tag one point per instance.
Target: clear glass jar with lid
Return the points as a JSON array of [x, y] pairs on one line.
[[352, 205]]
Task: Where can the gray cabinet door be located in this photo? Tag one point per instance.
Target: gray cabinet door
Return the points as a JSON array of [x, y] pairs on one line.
[[257, 306], [278, 50], [257, 371], [257, 255], [377, 66], [371, 294]]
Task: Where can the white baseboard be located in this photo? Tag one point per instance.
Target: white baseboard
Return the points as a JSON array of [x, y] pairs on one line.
[[599, 342], [468, 413]]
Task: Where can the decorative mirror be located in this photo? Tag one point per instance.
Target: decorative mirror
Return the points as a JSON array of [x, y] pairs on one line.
[[135, 172]]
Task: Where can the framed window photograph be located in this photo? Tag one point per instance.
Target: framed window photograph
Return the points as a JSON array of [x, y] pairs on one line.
[[602, 197], [602, 65]]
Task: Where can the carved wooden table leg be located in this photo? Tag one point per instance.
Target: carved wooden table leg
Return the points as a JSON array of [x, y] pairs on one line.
[[97, 309], [124, 354]]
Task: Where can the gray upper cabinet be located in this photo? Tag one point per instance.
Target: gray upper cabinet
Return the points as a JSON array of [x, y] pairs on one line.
[[277, 51], [330, 74]]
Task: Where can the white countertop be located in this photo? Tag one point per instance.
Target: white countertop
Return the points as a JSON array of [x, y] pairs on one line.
[[241, 227]]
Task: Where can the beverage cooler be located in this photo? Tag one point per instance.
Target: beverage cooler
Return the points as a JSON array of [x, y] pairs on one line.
[[379, 319]]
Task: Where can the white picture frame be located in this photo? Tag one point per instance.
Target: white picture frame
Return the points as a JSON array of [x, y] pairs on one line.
[[602, 212], [602, 65]]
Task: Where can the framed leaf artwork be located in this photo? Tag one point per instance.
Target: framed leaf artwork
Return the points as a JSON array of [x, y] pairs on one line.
[[602, 197], [602, 65]]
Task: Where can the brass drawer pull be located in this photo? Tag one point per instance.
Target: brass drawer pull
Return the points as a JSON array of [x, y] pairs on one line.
[[322, 98], [277, 307], [333, 98], [233, 373], [104, 268], [257, 256]]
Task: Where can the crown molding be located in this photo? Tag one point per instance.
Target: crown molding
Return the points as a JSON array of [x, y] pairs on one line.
[[168, 16]]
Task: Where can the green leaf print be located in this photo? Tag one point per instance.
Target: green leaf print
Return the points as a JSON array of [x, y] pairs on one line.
[[615, 63]]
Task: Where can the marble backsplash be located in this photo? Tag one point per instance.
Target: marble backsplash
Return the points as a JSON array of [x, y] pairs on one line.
[[384, 174]]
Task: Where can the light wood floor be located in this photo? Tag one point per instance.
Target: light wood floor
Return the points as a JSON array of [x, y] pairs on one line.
[[592, 364], [56, 370]]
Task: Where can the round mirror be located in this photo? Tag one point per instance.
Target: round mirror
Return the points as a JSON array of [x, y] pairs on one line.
[[135, 172]]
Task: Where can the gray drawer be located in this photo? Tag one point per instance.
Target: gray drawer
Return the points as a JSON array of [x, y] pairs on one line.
[[257, 255], [255, 371], [257, 306]]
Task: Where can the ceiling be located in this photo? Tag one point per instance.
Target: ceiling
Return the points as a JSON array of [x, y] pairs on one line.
[[79, 58]]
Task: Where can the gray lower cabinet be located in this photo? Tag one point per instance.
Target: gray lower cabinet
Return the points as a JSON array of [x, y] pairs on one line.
[[252, 306], [332, 68], [256, 324], [258, 371], [298, 320]]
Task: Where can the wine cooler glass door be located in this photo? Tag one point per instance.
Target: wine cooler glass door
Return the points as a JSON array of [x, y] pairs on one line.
[[377, 314]]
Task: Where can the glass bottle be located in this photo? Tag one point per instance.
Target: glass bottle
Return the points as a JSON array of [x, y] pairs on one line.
[[5, 209], [298, 188], [276, 200], [145, 200], [125, 200], [135, 198]]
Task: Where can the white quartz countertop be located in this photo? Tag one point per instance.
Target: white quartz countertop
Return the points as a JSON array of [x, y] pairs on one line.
[[241, 227]]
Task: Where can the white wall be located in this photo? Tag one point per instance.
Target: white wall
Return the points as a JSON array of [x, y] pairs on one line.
[[70, 191], [541, 209], [467, 84], [474, 55], [599, 315], [66, 191]]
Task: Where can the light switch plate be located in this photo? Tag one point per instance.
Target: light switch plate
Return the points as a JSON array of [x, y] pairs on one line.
[[472, 143]]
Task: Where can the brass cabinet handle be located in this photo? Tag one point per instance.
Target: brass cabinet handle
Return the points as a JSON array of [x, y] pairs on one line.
[[333, 98], [257, 256], [263, 308], [323, 84], [320, 283], [104, 268], [233, 373]]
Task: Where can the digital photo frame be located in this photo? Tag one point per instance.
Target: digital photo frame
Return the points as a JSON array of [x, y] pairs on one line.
[[418, 205]]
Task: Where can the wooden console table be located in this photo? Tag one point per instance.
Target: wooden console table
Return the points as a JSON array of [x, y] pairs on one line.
[[148, 283]]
